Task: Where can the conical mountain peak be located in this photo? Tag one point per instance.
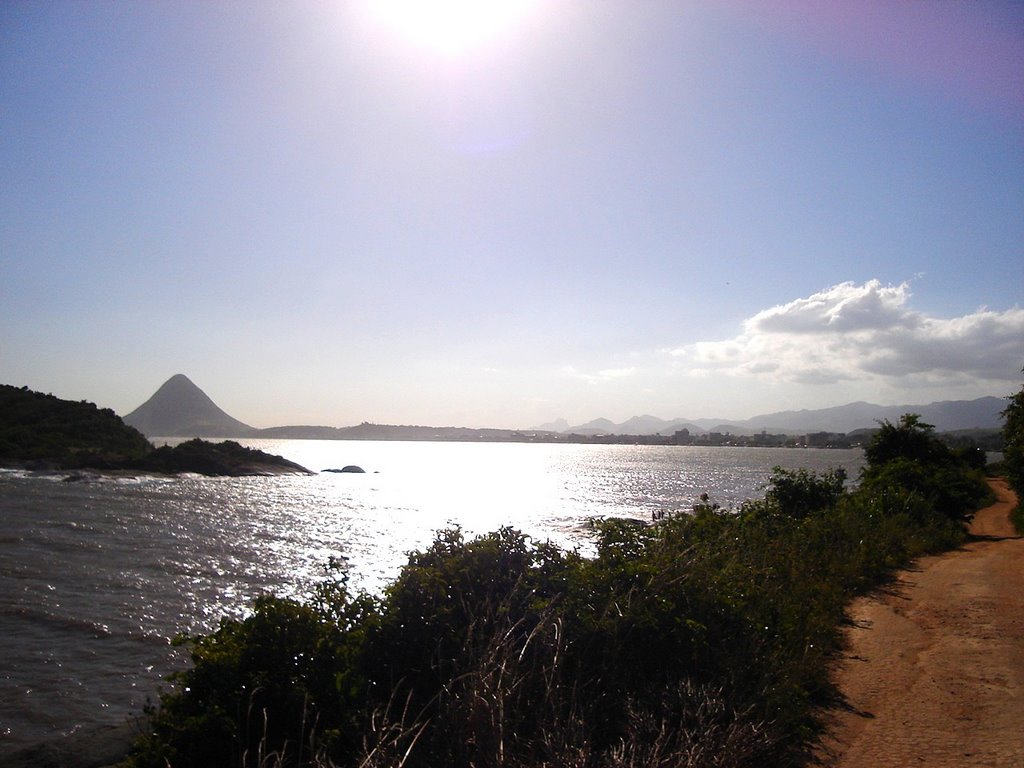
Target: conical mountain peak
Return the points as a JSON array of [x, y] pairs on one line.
[[181, 409]]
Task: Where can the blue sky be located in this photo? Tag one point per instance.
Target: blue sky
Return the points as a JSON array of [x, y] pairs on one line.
[[335, 212]]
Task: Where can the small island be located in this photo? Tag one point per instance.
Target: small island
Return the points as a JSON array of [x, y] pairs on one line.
[[225, 459], [43, 432]]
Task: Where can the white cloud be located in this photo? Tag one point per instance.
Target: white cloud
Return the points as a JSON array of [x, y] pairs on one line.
[[842, 308], [869, 332], [616, 373], [606, 374]]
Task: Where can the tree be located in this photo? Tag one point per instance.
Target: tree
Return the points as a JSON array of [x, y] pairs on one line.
[[797, 494], [910, 439], [912, 469]]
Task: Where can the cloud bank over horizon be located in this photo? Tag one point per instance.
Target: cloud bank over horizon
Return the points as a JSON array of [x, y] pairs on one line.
[[844, 343], [866, 334]]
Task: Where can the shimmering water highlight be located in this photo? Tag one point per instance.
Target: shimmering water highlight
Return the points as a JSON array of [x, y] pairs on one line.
[[97, 575]]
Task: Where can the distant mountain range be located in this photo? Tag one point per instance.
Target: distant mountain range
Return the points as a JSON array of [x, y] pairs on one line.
[[947, 416], [181, 409]]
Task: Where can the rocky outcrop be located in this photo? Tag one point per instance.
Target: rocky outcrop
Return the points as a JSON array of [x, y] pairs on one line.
[[226, 459]]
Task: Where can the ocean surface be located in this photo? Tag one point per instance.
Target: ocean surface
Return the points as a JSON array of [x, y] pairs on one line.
[[98, 574]]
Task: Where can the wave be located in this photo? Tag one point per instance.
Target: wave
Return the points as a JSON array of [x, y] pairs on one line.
[[55, 620], [64, 625]]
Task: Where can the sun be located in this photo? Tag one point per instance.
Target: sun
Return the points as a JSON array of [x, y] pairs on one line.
[[451, 27]]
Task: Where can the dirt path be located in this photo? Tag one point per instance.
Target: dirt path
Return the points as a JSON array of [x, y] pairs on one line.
[[935, 670]]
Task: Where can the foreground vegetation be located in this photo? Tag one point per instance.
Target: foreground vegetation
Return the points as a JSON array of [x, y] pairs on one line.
[[703, 640], [1013, 453]]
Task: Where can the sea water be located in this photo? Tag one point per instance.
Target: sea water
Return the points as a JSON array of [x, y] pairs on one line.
[[99, 573]]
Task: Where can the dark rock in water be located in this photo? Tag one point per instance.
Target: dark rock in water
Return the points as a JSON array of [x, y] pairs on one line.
[[217, 459], [350, 468]]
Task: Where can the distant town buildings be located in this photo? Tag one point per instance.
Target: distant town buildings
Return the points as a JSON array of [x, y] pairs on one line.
[[764, 439]]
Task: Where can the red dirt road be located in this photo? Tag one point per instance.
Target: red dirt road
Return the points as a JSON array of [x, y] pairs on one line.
[[934, 673]]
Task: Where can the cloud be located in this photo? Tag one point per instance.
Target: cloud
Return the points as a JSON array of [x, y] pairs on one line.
[[606, 374], [616, 373], [843, 308], [850, 333]]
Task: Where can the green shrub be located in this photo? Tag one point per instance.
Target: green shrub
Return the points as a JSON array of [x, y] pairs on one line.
[[285, 680], [910, 471], [1013, 453], [1017, 518], [796, 494]]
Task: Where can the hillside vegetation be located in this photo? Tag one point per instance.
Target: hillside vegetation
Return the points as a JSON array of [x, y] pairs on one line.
[[1013, 452], [226, 458], [45, 429], [702, 640]]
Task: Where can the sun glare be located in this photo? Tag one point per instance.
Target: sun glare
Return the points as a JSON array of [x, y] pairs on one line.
[[451, 26]]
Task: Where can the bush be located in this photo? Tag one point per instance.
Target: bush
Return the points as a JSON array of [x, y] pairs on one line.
[[796, 494], [1013, 452], [284, 681], [910, 471]]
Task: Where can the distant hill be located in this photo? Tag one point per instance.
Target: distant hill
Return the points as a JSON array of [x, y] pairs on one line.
[[367, 431], [947, 416], [638, 425], [181, 409], [595, 427], [558, 425]]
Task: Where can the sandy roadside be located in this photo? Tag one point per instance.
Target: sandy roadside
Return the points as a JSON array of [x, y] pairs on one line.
[[934, 674]]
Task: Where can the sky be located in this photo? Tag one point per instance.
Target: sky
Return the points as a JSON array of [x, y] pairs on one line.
[[497, 214]]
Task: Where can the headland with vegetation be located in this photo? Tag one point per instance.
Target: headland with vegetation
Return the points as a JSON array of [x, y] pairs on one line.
[[42, 432]]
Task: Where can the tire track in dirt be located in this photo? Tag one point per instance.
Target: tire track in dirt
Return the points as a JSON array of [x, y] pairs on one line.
[[934, 672]]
